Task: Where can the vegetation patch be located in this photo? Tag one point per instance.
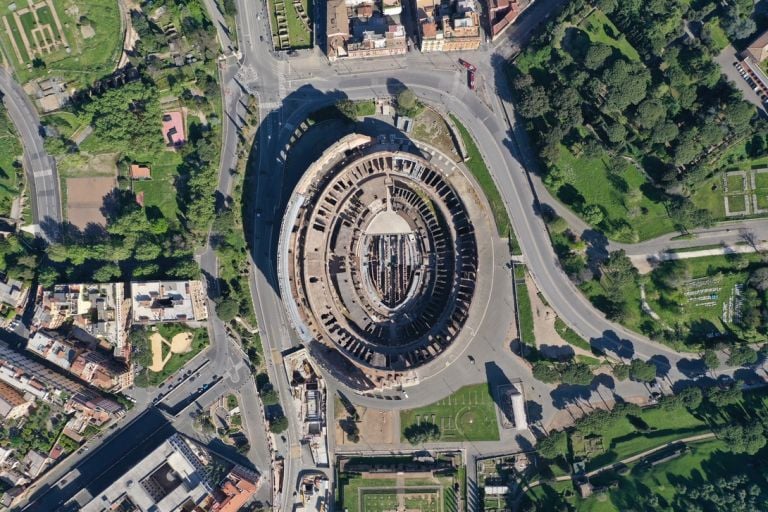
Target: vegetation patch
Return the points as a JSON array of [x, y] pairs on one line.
[[11, 171], [479, 170], [628, 118]]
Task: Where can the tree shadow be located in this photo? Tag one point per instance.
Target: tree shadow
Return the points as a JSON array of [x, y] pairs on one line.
[[662, 365], [611, 342], [597, 248], [691, 368]]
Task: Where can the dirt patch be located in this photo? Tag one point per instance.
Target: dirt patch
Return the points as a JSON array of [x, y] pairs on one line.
[[431, 128], [85, 200], [376, 427], [548, 340], [158, 362], [182, 343]]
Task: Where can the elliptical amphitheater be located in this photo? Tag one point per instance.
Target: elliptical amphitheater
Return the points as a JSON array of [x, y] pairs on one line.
[[378, 261]]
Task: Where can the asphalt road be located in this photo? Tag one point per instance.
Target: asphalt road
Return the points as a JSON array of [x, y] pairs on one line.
[[40, 167]]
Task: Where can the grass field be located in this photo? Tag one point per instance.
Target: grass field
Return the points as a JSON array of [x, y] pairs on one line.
[[10, 154], [588, 181], [598, 26], [469, 414], [624, 439], [88, 58], [477, 167]]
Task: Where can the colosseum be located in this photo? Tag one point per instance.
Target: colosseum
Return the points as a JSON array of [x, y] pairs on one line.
[[379, 257]]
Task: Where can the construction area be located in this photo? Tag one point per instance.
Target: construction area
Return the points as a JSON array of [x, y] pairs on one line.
[[309, 396]]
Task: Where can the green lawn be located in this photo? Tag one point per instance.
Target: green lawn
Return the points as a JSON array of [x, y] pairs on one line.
[[300, 35], [477, 167], [10, 155], [570, 336], [624, 439], [469, 414], [66, 123], [349, 489], [598, 26], [625, 197], [160, 191], [524, 308], [87, 59], [737, 203]]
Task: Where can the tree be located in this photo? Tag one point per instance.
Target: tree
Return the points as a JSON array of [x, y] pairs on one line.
[[649, 112], [106, 273], [747, 439], [576, 373], [348, 109], [534, 102], [626, 83], [278, 425], [407, 103], [642, 371], [621, 371], [711, 361], [270, 397], [554, 445], [742, 355], [722, 397], [419, 433], [227, 310], [686, 216], [618, 269], [738, 27], [593, 214], [545, 372], [596, 55], [759, 279], [664, 132], [691, 397]]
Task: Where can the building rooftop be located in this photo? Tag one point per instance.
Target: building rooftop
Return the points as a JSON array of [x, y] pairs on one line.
[[168, 301], [140, 172], [170, 478]]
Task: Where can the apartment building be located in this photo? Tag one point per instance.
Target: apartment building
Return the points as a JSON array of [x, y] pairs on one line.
[[448, 26]]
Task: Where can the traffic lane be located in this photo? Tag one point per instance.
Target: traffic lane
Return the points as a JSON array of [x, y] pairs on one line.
[[105, 464]]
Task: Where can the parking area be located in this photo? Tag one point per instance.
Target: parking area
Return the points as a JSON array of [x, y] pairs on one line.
[[744, 79]]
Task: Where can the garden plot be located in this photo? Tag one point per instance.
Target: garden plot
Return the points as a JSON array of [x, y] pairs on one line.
[[34, 31], [745, 192]]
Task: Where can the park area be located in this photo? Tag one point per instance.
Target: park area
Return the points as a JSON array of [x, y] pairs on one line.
[[162, 352], [666, 476], [397, 483], [10, 163], [469, 414], [80, 41]]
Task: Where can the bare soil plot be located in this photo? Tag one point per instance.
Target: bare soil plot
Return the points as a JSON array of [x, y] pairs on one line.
[[85, 200]]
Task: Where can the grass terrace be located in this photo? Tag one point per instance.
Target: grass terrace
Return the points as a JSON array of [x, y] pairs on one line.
[[469, 414]]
